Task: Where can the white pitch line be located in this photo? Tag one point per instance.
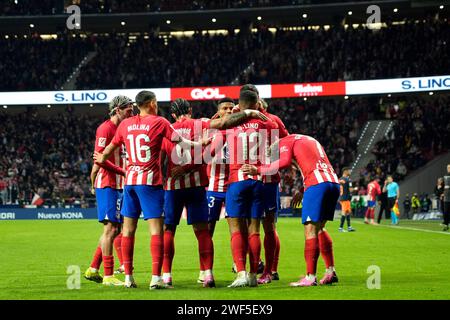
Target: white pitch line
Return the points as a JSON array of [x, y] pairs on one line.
[[406, 228]]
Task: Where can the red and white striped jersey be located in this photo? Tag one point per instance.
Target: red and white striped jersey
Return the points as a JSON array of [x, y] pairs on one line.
[[218, 171], [190, 129], [373, 190], [143, 138], [105, 178], [310, 157], [282, 132], [248, 143]]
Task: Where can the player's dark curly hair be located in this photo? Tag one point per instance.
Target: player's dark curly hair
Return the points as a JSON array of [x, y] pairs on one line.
[[248, 98], [223, 100], [180, 107]]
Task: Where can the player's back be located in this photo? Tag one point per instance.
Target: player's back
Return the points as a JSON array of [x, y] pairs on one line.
[[190, 129], [279, 133], [373, 190], [105, 178], [143, 137], [282, 131], [345, 188], [312, 160], [248, 143]]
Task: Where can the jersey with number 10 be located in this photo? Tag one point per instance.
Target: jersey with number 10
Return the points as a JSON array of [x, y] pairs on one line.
[[143, 138], [249, 143]]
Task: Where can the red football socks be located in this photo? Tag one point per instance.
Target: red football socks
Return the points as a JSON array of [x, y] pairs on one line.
[[97, 260], [205, 249], [367, 215], [239, 250], [118, 247], [254, 243], [169, 251], [157, 253], [127, 254], [326, 248], [270, 243], [277, 253], [311, 255], [108, 265]]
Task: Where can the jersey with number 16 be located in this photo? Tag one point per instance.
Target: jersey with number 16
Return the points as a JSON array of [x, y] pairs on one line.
[[143, 137]]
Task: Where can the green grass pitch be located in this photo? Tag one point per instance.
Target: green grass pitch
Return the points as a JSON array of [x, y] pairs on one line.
[[413, 262]]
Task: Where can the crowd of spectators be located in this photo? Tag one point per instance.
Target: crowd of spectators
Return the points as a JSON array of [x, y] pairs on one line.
[[285, 56], [51, 155], [421, 131], [145, 63], [37, 64], [122, 61], [50, 7], [350, 54], [47, 156]]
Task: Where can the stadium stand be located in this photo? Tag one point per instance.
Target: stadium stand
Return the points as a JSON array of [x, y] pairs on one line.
[[49, 7], [321, 55], [58, 168], [218, 59], [420, 133], [52, 157], [38, 64]]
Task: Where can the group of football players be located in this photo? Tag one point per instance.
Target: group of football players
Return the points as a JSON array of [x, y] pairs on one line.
[[230, 162]]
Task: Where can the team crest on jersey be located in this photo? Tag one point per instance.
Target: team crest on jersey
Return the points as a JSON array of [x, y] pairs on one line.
[[284, 149], [102, 142]]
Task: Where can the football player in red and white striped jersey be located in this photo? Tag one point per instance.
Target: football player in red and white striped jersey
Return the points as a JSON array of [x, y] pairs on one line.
[[373, 191], [143, 137], [218, 172], [107, 183], [188, 189], [247, 143], [320, 198], [271, 203]]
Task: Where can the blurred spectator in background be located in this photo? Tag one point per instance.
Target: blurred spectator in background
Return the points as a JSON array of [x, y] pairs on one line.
[[425, 203], [358, 206], [447, 199], [407, 205], [415, 203], [3, 190], [439, 193], [401, 170]]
